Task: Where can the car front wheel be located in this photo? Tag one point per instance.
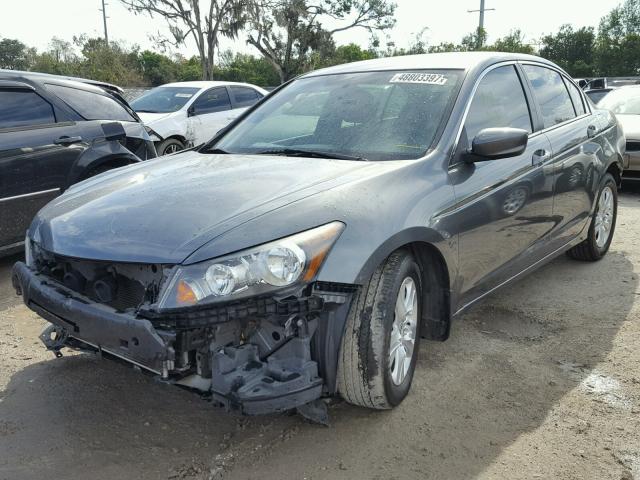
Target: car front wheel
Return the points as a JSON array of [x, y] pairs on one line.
[[169, 146], [602, 225], [380, 343]]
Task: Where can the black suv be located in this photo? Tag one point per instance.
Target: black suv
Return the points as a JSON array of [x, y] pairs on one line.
[[54, 132]]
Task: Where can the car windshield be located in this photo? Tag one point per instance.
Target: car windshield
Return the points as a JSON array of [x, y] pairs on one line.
[[163, 99], [623, 101], [371, 115]]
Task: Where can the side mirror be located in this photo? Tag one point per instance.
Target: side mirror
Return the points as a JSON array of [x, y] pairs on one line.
[[114, 131], [494, 143], [191, 111]]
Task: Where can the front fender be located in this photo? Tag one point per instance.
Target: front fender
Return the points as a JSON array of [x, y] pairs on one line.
[[422, 235]]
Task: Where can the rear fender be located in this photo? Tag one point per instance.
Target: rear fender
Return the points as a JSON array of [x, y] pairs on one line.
[[100, 153]]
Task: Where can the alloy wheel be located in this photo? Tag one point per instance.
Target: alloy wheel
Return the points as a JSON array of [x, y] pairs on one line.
[[604, 217], [403, 331]]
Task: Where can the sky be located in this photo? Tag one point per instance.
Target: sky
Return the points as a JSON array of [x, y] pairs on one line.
[[35, 22]]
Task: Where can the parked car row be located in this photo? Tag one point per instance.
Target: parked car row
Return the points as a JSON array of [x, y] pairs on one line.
[[307, 248]]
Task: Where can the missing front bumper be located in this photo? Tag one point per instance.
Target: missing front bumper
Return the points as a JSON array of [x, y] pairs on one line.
[[271, 371]]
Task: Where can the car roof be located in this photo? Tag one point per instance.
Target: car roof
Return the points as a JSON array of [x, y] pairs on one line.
[[450, 60], [74, 81], [207, 84]]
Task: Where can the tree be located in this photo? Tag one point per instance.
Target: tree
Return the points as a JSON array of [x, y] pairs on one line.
[[289, 32], [246, 68], [157, 69], [204, 21], [347, 54], [113, 63], [15, 55], [513, 43], [573, 50], [617, 51]]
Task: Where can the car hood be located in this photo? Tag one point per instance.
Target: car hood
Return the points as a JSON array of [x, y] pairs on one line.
[[630, 125], [163, 210], [149, 118]]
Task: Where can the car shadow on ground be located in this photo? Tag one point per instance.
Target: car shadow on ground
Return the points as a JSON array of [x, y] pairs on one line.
[[509, 361]]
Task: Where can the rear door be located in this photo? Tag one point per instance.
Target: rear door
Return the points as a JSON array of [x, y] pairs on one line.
[[242, 98], [504, 207], [570, 127], [210, 112], [36, 153]]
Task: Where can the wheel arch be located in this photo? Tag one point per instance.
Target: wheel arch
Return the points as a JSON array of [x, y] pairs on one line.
[[175, 136], [118, 157], [615, 170], [435, 256]]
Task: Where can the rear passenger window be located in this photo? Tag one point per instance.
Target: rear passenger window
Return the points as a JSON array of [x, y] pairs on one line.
[[244, 96], [576, 98], [551, 93], [91, 105], [498, 102], [20, 108]]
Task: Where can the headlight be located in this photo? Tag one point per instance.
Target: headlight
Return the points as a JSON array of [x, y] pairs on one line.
[[293, 260]]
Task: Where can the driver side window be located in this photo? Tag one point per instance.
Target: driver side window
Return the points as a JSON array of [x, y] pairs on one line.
[[498, 102]]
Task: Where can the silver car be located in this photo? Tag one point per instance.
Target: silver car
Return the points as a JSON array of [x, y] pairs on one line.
[[625, 103]]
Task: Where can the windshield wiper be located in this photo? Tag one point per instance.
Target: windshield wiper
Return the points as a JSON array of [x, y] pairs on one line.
[[294, 152], [147, 111], [217, 150]]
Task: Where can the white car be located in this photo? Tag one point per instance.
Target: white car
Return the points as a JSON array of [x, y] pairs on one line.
[[179, 115]]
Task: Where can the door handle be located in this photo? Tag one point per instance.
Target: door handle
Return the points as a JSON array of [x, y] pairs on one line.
[[539, 157], [591, 131], [65, 140]]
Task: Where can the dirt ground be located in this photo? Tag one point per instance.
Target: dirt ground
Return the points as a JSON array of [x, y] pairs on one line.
[[541, 380]]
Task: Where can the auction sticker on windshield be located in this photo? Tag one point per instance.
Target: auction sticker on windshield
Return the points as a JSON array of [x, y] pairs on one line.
[[427, 78]]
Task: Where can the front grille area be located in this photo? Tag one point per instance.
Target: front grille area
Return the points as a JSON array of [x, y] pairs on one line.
[[122, 286], [633, 146]]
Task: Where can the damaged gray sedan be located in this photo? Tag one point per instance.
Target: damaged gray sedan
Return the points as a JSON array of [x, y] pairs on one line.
[[305, 251]]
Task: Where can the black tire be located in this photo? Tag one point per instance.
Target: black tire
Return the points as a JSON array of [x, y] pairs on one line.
[[169, 146], [589, 250], [364, 370]]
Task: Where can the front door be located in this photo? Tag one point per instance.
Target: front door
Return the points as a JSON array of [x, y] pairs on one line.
[[504, 206], [36, 154], [210, 112]]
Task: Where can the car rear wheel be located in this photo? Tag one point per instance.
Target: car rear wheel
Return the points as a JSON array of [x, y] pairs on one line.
[[602, 225], [380, 342], [169, 146]]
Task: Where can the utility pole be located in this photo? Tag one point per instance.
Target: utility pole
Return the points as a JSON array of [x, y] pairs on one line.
[[104, 20], [481, 21]]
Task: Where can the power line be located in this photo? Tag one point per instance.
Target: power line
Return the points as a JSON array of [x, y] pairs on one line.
[[104, 20]]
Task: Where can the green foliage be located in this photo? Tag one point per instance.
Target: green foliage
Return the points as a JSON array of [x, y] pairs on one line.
[[15, 55], [513, 42], [572, 49], [158, 69], [347, 54], [617, 48], [246, 68]]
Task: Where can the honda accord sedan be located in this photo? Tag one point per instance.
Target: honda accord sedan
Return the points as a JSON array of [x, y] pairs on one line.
[[306, 250]]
